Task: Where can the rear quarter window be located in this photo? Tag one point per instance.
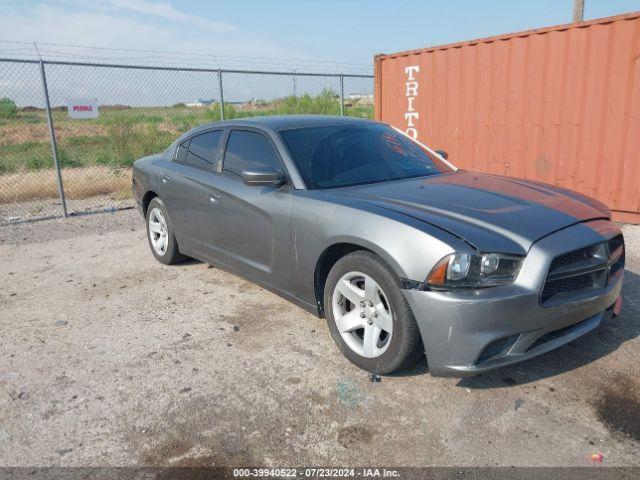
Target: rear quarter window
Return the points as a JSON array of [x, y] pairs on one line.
[[181, 152]]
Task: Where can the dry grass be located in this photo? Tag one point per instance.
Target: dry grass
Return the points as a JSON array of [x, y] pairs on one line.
[[16, 133], [78, 183]]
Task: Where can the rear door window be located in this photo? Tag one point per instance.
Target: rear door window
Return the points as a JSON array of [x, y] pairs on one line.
[[203, 150], [247, 150]]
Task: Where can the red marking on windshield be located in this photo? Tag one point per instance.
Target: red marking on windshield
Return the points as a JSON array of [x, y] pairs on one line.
[[394, 144]]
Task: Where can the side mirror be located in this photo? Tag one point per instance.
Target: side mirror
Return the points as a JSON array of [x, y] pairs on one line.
[[260, 177], [443, 154]]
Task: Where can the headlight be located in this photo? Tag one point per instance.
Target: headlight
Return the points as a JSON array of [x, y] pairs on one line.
[[475, 270]]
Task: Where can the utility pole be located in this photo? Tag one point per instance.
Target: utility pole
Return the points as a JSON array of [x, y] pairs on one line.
[[578, 10]]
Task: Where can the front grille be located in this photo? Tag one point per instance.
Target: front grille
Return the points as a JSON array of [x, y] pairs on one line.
[[563, 285], [615, 243], [571, 257], [584, 269], [616, 257]]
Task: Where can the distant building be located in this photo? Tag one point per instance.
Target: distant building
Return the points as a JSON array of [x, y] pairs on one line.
[[200, 103], [359, 96], [359, 99]]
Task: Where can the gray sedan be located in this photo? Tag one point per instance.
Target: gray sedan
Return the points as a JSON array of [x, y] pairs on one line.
[[401, 252]]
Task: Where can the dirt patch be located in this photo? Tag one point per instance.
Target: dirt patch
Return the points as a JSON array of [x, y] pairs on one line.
[[316, 398], [183, 438], [192, 460], [254, 325], [183, 452], [355, 436], [618, 406]]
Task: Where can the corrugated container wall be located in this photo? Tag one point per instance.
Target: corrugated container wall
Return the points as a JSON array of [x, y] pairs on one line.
[[559, 105]]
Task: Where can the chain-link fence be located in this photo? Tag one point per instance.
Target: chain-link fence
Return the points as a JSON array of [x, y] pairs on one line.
[[141, 110]]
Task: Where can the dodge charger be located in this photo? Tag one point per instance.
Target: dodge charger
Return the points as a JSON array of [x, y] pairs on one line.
[[404, 254]]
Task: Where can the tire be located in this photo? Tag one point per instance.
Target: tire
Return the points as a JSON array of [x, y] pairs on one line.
[[162, 242], [378, 351]]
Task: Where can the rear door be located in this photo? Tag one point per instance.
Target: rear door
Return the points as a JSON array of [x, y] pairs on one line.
[[187, 190], [252, 224]]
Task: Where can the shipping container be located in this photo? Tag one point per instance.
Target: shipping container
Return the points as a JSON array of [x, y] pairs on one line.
[[559, 105]]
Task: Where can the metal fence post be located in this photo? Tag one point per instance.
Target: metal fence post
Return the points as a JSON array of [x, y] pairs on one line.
[[295, 86], [221, 94], [54, 144], [341, 95]]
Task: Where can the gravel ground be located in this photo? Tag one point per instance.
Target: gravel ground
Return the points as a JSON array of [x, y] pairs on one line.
[[110, 358]]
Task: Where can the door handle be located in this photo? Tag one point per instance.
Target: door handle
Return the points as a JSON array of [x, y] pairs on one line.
[[165, 178], [215, 198]]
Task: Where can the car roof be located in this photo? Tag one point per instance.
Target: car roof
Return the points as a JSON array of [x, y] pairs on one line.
[[284, 122]]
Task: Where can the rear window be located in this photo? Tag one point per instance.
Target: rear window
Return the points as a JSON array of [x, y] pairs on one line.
[[344, 155]]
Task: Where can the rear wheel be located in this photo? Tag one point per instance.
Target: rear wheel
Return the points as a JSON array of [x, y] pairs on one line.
[[368, 316], [160, 234]]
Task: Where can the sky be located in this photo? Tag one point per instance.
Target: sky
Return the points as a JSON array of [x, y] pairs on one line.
[[325, 36], [348, 32]]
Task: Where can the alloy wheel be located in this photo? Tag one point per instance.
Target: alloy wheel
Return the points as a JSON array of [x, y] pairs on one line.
[[158, 233], [362, 314]]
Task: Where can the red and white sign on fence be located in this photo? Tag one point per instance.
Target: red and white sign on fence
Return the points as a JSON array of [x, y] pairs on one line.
[[82, 107]]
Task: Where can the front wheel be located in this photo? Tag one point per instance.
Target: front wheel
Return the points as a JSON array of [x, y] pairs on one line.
[[368, 316], [160, 234]]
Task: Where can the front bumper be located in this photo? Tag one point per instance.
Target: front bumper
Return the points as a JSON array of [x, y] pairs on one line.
[[471, 331]]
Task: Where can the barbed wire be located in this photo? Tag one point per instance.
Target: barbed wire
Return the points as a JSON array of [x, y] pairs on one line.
[[65, 51]]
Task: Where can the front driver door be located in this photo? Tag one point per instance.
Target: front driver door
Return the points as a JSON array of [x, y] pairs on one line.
[[252, 224]]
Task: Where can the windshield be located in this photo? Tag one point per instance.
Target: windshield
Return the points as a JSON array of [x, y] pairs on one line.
[[344, 155]]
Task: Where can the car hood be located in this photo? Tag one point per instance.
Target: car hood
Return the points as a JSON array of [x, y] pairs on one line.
[[492, 213]]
